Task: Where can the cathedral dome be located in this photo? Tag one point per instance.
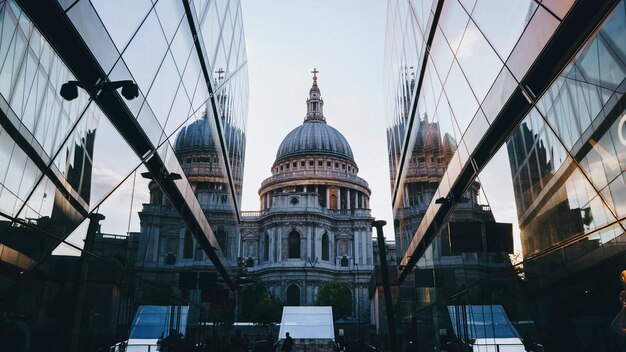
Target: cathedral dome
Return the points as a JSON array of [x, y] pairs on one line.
[[314, 138], [199, 136], [196, 136]]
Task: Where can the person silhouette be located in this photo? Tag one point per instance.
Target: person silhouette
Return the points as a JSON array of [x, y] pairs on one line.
[[287, 344]]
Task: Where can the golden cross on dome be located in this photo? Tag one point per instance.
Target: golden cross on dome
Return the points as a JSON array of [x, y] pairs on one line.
[[315, 72]]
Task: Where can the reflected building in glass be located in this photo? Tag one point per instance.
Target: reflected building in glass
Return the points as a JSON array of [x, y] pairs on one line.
[[530, 92], [103, 193]]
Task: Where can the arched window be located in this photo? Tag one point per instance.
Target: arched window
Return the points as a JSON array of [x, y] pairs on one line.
[[293, 295], [294, 245], [266, 247], [325, 246]]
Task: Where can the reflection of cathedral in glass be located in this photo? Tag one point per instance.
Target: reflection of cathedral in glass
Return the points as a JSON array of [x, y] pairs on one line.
[[442, 271], [168, 252]]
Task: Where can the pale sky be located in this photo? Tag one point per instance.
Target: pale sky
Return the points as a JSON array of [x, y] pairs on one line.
[[344, 40]]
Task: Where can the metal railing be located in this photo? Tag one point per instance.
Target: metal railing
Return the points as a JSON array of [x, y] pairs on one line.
[[134, 347]]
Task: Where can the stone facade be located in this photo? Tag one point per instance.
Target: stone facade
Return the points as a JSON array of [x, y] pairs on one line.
[[314, 225]]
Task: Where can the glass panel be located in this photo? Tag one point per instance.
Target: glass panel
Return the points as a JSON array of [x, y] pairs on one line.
[[74, 242], [476, 130], [170, 14], [122, 25], [617, 196], [502, 23], [453, 21], [163, 89], [558, 7], [535, 36], [121, 207], [441, 55], [182, 46], [499, 94], [614, 31], [90, 26], [479, 62], [461, 98], [146, 52], [179, 113], [113, 160]]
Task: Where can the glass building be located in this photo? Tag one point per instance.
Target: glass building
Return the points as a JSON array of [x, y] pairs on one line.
[[507, 112], [101, 206]]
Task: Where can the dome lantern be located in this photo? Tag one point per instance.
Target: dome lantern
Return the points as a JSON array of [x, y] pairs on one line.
[[314, 136], [315, 103]]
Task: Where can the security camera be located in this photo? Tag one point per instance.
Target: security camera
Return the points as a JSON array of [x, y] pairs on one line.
[[130, 90], [69, 90]]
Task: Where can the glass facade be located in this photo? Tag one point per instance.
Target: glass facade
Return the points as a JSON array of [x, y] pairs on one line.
[[511, 113], [103, 205]]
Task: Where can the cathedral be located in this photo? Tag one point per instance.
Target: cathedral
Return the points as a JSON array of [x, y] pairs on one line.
[[313, 226]]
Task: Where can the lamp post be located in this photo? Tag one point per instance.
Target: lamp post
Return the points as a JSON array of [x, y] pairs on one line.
[[356, 296], [382, 253]]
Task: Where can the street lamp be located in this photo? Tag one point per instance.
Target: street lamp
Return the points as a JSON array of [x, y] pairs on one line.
[[130, 90], [356, 296]]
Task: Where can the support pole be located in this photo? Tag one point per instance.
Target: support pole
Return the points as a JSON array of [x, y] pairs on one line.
[[92, 230], [382, 253]]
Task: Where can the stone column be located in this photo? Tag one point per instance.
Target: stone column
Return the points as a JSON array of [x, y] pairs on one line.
[[327, 197], [356, 250], [279, 244], [308, 243], [364, 247], [339, 198]]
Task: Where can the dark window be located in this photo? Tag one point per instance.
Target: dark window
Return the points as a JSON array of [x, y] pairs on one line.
[[320, 163], [325, 247], [337, 165], [311, 163], [293, 295], [294, 245], [343, 166], [302, 163], [188, 246], [295, 164], [328, 163]]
